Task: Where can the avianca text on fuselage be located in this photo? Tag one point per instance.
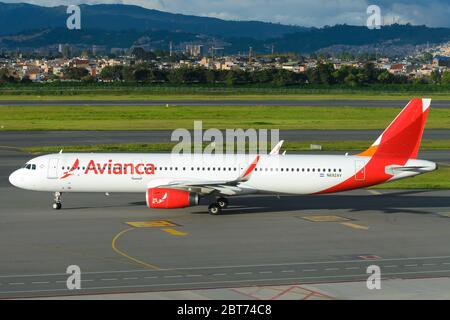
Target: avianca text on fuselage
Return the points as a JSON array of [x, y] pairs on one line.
[[111, 168]]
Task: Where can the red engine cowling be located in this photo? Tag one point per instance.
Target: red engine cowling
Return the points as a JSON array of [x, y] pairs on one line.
[[165, 198]]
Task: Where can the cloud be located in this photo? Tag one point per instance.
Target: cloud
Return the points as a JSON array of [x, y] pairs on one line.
[[298, 12]]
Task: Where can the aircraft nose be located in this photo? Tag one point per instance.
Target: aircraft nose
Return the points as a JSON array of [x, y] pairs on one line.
[[15, 178]]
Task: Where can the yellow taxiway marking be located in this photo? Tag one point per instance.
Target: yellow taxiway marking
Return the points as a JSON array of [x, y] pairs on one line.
[[374, 192], [354, 225], [151, 224], [325, 218], [174, 232], [123, 254]]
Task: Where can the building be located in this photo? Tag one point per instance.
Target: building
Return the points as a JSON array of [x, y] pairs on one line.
[[398, 68], [194, 50], [441, 61]]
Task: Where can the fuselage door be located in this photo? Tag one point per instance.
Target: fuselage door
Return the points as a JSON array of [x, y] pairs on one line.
[[52, 170], [138, 170], [360, 170]]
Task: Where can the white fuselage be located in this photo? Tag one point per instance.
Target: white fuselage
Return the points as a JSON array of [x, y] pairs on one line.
[[136, 172]]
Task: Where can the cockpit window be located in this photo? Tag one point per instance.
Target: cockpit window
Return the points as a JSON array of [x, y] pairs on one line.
[[33, 167], [28, 166]]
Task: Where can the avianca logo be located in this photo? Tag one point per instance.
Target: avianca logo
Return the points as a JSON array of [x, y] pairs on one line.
[[112, 168], [160, 200], [69, 172]]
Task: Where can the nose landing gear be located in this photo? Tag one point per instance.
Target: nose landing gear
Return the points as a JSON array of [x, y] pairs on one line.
[[57, 204]]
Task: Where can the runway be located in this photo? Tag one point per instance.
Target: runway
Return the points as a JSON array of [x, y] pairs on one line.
[[122, 246], [224, 103]]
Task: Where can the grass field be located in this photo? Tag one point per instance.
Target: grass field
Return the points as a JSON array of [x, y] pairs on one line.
[[227, 96], [131, 91], [153, 118]]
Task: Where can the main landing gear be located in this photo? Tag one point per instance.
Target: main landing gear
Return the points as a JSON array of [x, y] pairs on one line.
[[57, 204], [216, 207]]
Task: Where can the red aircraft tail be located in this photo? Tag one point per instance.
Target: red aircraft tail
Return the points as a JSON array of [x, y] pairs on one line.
[[402, 137]]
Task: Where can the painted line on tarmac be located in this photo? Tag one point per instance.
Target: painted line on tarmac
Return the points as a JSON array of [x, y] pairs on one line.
[[362, 276], [123, 254], [243, 266], [174, 232], [374, 192], [355, 226]]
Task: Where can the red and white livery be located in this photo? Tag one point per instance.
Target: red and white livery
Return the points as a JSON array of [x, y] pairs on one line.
[[170, 181]]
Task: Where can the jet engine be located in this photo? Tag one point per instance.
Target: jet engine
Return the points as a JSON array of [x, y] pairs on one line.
[[166, 198]]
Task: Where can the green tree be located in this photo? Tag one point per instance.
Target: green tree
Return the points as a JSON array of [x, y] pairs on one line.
[[88, 79], [435, 76], [141, 54], [211, 76], [5, 76], [385, 77], [74, 73], [128, 74], [445, 78], [112, 73], [351, 80], [427, 57], [370, 73], [325, 72]]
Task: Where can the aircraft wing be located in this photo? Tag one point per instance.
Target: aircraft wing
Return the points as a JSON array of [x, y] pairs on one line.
[[207, 186]]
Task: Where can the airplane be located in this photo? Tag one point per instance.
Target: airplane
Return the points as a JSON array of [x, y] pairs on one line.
[[178, 182]]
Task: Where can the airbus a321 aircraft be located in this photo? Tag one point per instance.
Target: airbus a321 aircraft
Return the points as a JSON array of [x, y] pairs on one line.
[[177, 182]]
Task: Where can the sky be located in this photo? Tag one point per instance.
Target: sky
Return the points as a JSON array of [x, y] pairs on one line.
[[317, 13]]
